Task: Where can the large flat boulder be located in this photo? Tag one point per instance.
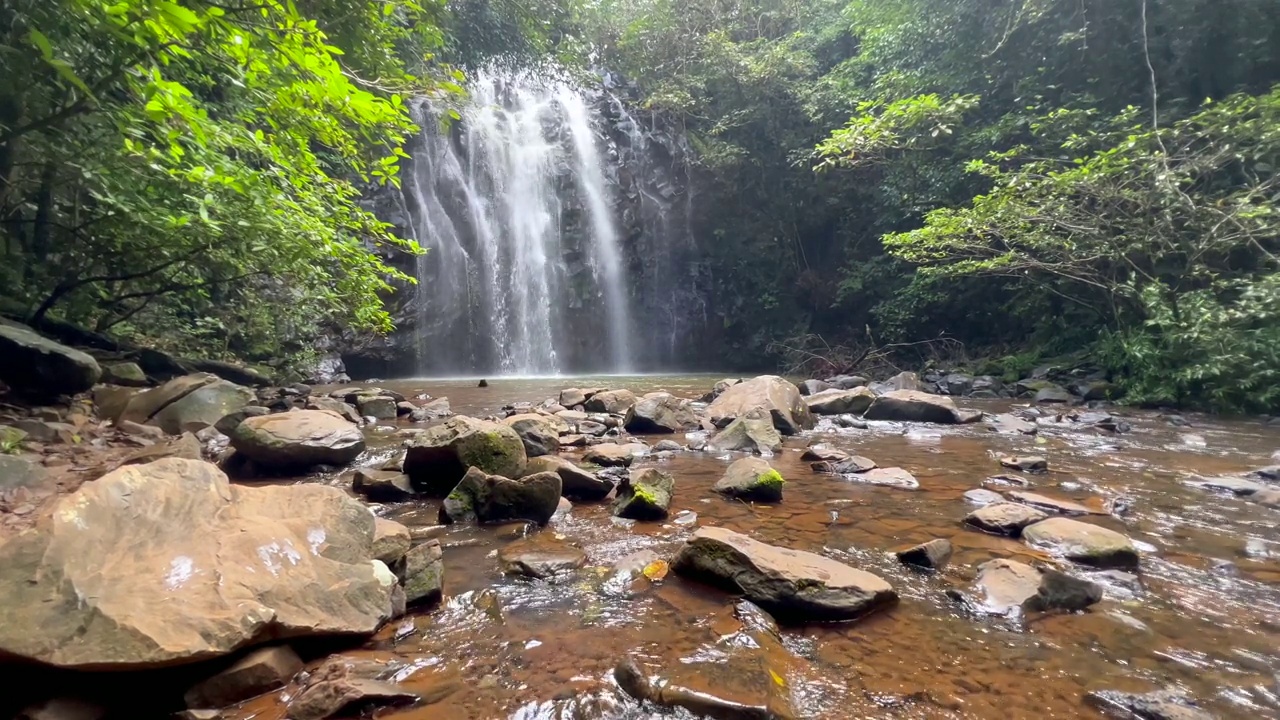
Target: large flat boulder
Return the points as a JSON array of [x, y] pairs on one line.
[[661, 413], [437, 459], [168, 563], [575, 483], [485, 498], [1004, 518], [914, 406], [791, 584], [1082, 543], [839, 402], [300, 439], [141, 407], [615, 402], [34, 365], [770, 394]]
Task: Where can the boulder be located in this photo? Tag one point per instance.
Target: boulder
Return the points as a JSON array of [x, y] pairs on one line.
[[813, 387], [845, 465], [751, 478], [1060, 591], [438, 459], [571, 397], [296, 440], [540, 557], [1004, 518], [933, 554], [140, 407], [661, 413], [751, 433], [110, 401], [887, 477], [202, 407], [1008, 424], [36, 366], [16, 472], [186, 447], [790, 584], [986, 386], [613, 454], [539, 433], [230, 372], [901, 381], [335, 688], [422, 572], [228, 423], [434, 410], [485, 498], [1157, 705], [334, 405], [382, 485], [1266, 498], [575, 483], [1089, 390], [379, 407], [1051, 504], [124, 373], [646, 495], [1227, 483], [845, 382], [1052, 394], [982, 496], [1003, 586], [839, 402], [956, 384], [237, 565], [1082, 543], [615, 402], [258, 672], [769, 394], [391, 540], [913, 406]]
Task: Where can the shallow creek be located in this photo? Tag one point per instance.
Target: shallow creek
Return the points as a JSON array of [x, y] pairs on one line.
[[1206, 616]]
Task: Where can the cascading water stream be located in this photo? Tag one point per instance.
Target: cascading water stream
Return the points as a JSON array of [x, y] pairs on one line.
[[505, 201]]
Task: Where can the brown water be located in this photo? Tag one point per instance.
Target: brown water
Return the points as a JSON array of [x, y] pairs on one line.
[[1206, 619]]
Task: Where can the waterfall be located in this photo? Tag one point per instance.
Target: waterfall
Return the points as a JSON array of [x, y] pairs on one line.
[[513, 203]]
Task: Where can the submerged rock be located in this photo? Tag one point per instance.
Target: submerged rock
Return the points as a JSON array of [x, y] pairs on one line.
[[336, 687], [645, 496], [1049, 504], [914, 406], [887, 477], [1158, 705], [538, 557], [1082, 542], [1008, 424], [613, 454], [437, 459], [788, 583], [768, 396], [982, 496], [298, 440], [751, 479], [1060, 591], [485, 498], [575, 483], [1007, 587], [1026, 463], [237, 565], [382, 485], [751, 433]]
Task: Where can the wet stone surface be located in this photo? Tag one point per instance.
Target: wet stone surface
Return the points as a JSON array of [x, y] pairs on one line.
[[1200, 613]]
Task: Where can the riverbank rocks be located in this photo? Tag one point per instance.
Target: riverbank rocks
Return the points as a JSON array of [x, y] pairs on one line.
[[751, 478], [297, 440], [539, 433], [614, 402], [933, 554], [839, 402], [769, 394], [790, 584], [124, 373], [646, 495], [613, 454], [575, 483], [236, 565], [661, 413], [1004, 518], [913, 406], [485, 498], [378, 407], [1081, 542], [422, 573], [1158, 705], [540, 557], [36, 366], [258, 672], [813, 387], [437, 459], [751, 433]]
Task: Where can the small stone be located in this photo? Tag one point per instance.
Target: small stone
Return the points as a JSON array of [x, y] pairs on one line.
[[933, 554], [1030, 463]]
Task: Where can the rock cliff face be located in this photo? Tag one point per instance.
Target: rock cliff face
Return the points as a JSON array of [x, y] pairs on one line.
[[558, 224]]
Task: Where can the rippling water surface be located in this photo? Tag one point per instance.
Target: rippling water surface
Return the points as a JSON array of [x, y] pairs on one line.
[[1205, 618]]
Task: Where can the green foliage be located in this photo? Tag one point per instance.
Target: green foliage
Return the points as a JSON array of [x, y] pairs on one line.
[[879, 128], [189, 171]]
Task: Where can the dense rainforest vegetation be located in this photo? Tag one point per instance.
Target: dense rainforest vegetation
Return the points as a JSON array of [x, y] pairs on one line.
[[1002, 179]]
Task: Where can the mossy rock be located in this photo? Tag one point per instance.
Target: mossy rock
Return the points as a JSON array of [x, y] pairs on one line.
[[437, 460], [484, 498], [751, 478], [645, 496]]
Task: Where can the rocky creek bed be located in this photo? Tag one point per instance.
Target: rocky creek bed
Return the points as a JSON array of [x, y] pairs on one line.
[[593, 613]]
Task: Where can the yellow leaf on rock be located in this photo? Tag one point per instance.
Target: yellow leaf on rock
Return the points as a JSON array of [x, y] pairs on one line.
[[777, 678], [656, 570]]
